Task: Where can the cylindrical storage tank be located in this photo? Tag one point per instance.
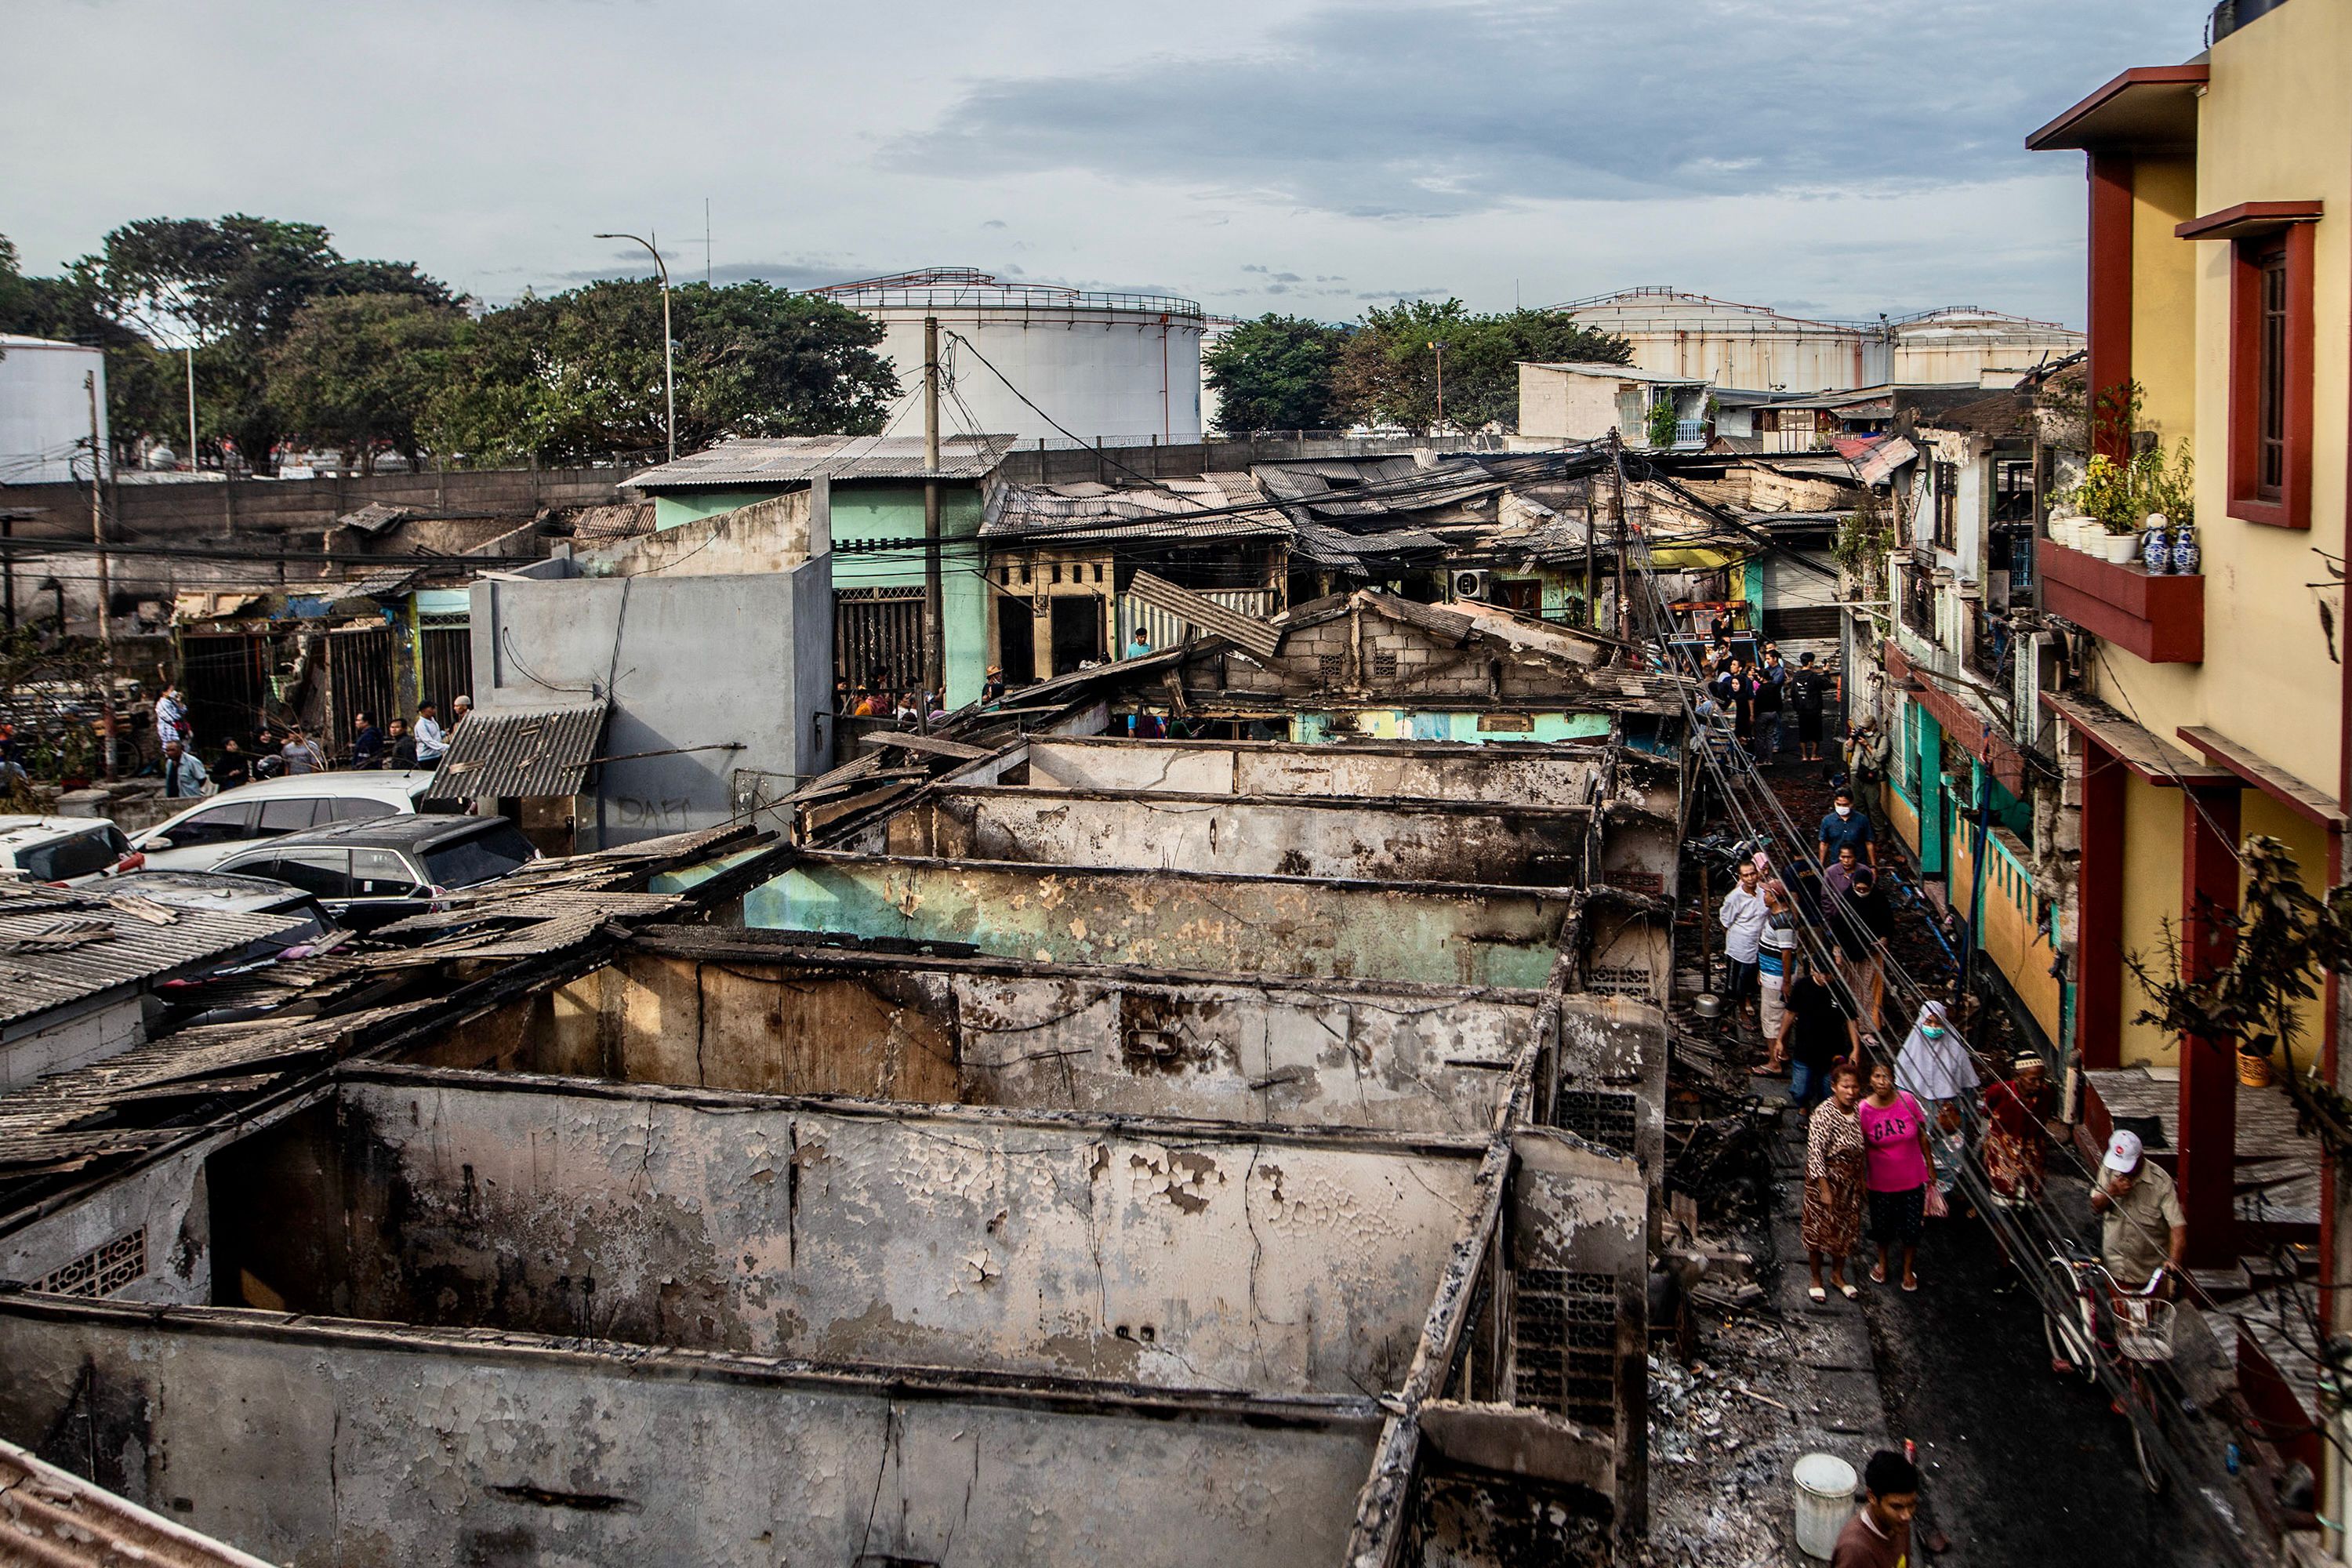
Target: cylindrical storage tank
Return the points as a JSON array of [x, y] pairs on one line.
[[1038, 362]]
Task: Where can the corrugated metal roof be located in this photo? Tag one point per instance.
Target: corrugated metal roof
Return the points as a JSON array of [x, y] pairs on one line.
[[59, 1520], [59, 946], [521, 750], [795, 459]]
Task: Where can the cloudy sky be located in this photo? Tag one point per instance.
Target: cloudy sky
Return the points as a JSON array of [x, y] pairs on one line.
[[1301, 155]]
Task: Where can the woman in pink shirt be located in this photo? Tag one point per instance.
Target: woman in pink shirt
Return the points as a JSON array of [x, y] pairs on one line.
[[1896, 1172]]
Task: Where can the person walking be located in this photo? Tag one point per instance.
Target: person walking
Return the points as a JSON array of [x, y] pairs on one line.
[[432, 741], [172, 717], [1898, 1173], [1857, 920], [1847, 827], [1808, 689], [1816, 1034], [1836, 1155], [183, 777], [1772, 956], [1743, 916], [367, 744], [1772, 700], [1933, 1068], [301, 754], [2018, 1111], [400, 746], [1879, 1534]]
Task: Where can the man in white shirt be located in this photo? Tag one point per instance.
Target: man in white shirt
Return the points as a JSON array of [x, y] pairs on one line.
[[1744, 915], [431, 739], [183, 777]]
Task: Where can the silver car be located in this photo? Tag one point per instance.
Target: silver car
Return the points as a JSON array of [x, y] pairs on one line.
[[214, 828]]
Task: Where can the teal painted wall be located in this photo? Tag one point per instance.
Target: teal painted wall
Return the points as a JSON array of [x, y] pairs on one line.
[[863, 514], [1166, 920]]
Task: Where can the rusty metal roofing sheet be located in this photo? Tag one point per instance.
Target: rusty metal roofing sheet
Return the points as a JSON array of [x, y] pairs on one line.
[[58, 1519], [521, 750], [59, 946], [795, 459], [1245, 631]]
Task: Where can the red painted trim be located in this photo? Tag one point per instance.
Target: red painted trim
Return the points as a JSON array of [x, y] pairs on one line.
[[2249, 218], [2208, 1170], [2050, 137], [2109, 365], [2099, 913], [2292, 507], [2159, 619], [1972, 731]]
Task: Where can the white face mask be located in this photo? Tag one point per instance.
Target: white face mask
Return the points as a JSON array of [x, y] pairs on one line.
[[1845, 811]]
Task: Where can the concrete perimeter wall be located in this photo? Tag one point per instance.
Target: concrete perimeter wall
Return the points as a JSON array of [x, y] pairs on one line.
[[1501, 774], [324, 1445], [1291, 1263], [1459, 935]]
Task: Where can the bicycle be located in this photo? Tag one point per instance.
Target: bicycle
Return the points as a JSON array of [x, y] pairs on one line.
[[2131, 1330]]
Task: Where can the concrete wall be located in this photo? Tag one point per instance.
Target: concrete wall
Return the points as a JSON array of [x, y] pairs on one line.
[[1460, 935], [988, 1032], [689, 662], [370, 1446], [1400, 840], [36, 1047], [1285, 1262], [1503, 774]]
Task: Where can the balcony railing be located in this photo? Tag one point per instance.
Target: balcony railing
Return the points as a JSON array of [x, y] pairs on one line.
[[1690, 432]]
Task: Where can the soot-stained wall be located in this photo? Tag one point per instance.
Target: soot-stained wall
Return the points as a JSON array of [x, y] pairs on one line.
[[1502, 773], [1056, 1246]]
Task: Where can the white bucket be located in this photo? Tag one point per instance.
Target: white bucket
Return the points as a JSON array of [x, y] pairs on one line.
[[1825, 1502]]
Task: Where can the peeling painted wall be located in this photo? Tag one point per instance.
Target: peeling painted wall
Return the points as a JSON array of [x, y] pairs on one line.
[[1329, 1053], [359, 1447], [981, 1240], [1386, 840], [1465, 935], [1502, 773]]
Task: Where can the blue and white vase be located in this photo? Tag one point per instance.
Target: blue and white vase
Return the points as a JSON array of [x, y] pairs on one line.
[[2154, 553], [2186, 557]]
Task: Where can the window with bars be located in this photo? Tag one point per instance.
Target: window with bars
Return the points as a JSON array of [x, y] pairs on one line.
[[2272, 347], [2270, 375], [1948, 506]]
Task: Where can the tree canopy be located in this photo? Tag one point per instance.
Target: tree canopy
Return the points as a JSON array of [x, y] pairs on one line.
[[1387, 373], [358, 371], [1275, 373]]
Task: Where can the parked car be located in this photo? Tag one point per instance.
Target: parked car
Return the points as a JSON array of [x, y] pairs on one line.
[[63, 850], [225, 893], [369, 874], [217, 826]]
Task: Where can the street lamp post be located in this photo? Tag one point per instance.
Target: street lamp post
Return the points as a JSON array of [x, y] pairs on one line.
[[670, 379], [1438, 346]]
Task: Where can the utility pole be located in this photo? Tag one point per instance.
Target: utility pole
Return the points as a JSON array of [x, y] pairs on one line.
[[105, 592], [195, 464], [1624, 611], [934, 617], [669, 377]]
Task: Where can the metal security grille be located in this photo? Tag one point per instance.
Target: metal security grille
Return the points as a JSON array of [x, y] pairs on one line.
[[359, 675], [102, 1270], [878, 637], [230, 679], [1598, 1116], [1564, 1339], [447, 653], [1618, 980]]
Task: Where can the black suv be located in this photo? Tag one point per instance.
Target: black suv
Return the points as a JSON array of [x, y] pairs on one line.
[[369, 874]]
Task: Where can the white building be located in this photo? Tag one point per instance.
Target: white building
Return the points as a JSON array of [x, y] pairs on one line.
[[1563, 404], [1754, 349], [1042, 363], [45, 410]]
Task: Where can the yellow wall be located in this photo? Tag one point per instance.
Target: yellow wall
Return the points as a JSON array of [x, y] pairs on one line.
[[2014, 941], [2274, 125], [1899, 816], [2258, 813], [2151, 895], [2164, 295]]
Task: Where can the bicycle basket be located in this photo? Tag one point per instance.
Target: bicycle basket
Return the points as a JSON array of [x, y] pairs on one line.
[[2144, 1328]]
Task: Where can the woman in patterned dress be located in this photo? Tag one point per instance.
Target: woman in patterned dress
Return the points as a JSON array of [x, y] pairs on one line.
[[1834, 1153]]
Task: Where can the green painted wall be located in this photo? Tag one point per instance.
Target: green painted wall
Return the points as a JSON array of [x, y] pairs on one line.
[[1475, 936], [866, 513]]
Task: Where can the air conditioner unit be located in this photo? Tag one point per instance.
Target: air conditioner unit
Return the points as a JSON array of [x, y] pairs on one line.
[[1470, 584]]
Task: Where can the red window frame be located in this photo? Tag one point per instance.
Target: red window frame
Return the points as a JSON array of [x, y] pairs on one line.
[[2270, 375]]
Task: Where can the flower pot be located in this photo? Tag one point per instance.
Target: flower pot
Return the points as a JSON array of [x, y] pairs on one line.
[[2254, 1072], [2118, 548]]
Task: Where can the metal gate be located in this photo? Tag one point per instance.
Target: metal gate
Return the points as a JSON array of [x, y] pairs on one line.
[[448, 656], [231, 681], [359, 680], [877, 638]]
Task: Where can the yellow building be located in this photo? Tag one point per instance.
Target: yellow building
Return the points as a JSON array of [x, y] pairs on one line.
[[2209, 706]]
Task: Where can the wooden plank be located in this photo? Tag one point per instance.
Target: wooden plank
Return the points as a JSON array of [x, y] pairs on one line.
[[1244, 631], [2276, 781], [2142, 751], [938, 745]]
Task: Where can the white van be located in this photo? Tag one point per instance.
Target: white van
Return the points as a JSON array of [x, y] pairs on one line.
[[217, 826]]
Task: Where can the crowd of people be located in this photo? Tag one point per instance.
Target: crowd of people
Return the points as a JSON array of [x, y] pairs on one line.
[[289, 749]]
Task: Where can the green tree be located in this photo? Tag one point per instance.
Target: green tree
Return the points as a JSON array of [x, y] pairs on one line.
[[1388, 371], [143, 386], [1275, 373], [576, 376], [356, 371]]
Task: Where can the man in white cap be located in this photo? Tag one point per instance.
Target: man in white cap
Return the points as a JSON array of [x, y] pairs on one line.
[[2144, 1229]]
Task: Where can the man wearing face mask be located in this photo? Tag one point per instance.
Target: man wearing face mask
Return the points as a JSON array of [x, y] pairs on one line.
[[1847, 828]]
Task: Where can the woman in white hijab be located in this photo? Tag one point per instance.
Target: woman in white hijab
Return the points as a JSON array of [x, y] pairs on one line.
[[1934, 1069]]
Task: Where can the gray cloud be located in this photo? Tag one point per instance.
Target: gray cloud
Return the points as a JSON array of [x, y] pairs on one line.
[[1396, 111]]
